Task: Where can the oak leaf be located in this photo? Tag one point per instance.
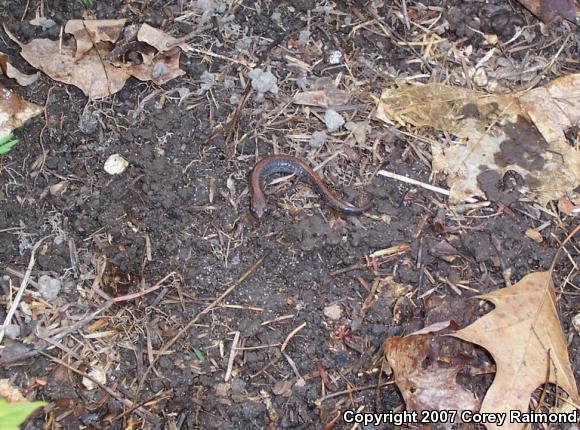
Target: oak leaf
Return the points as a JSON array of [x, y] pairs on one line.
[[426, 379], [524, 337]]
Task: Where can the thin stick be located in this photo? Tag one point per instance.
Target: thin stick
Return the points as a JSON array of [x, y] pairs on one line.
[[22, 288], [190, 324], [319, 401], [114, 394], [291, 335], [83, 322], [233, 353], [420, 184]]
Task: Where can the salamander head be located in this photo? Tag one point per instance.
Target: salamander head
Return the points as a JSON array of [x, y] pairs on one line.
[[258, 206]]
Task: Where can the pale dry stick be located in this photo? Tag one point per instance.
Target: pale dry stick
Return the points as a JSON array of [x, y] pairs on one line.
[[291, 335], [293, 366], [6, 230], [358, 411], [253, 348], [142, 293], [206, 310], [23, 285], [222, 57], [282, 318], [319, 401], [21, 275], [233, 353], [419, 184]]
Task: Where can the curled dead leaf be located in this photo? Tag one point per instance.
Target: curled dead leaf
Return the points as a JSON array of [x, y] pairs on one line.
[[14, 111], [535, 235], [12, 72], [95, 59], [425, 380], [524, 336]]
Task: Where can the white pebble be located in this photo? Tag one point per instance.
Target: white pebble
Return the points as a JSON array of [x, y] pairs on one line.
[[12, 331], [263, 82], [317, 139], [48, 287], [333, 120], [334, 312]]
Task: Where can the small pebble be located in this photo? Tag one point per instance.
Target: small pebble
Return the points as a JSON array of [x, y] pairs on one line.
[[334, 312], [317, 139], [333, 120], [207, 81], [12, 331], [334, 57], [48, 287], [263, 82]]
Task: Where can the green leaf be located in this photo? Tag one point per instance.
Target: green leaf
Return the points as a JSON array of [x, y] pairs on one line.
[[199, 354], [14, 414], [6, 143]]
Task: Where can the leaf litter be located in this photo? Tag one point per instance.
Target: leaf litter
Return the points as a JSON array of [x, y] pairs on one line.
[[523, 132], [447, 369], [525, 338], [85, 60]]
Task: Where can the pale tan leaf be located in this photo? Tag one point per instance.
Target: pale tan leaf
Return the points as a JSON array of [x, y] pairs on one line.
[[535, 235], [324, 93], [12, 72], [94, 77], [88, 33], [14, 111], [158, 39], [9, 392], [523, 133], [524, 337]]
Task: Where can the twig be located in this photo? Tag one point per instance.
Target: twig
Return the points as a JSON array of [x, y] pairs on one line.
[[114, 394], [319, 401], [293, 366], [420, 184], [233, 353], [291, 335], [190, 324], [82, 322], [23, 285]]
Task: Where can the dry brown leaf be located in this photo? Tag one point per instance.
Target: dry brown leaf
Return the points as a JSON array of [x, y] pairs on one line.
[[535, 235], [570, 206], [14, 111], [523, 133], [550, 10], [94, 77], [88, 33], [324, 94], [12, 72], [84, 61], [524, 336], [160, 69], [424, 382], [158, 39], [9, 392]]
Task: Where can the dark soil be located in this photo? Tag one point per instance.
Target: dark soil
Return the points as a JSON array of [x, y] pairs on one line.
[[182, 206]]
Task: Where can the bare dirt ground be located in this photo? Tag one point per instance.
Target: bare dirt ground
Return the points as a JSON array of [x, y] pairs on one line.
[[177, 221]]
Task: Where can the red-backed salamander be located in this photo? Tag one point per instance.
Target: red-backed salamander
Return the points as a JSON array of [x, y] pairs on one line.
[[286, 164]]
